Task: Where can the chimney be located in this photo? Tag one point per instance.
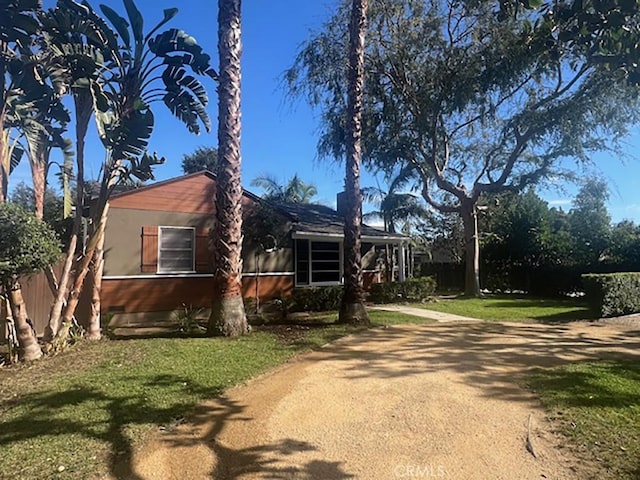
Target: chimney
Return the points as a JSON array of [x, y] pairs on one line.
[[341, 204]]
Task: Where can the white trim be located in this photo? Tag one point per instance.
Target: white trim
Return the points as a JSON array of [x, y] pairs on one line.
[[189, 275], [269, 274]]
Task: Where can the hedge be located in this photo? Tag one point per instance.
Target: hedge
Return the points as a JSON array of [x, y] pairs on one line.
[[316, 299], [411, 290], [613, 294]]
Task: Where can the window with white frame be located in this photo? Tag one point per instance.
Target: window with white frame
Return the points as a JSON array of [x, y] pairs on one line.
[[176, 249], [318, 262]]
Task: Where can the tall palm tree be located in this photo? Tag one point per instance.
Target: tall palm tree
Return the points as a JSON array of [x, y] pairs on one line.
[[352, 309], [294, 191], [228, 316]]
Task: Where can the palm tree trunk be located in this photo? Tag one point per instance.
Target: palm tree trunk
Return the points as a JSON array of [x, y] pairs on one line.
[[28, 348], [472, 250], [352, 309], [228, 316]]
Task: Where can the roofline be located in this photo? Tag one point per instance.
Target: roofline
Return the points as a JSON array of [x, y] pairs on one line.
[[367, 238], [161, 183]]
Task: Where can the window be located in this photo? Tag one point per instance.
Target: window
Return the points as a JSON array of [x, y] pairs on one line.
[[176, 249], [318, 263]]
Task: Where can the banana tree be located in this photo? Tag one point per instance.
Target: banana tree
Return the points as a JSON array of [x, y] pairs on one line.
[[18, 27], [145, 68], [80, 47]]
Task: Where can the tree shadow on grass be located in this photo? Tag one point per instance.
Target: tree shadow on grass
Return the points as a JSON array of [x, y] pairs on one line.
[[49, 415]]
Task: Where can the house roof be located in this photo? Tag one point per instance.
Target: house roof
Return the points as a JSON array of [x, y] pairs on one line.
[[313, 219]]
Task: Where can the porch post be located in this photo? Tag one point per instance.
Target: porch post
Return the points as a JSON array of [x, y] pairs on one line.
[[401, 262]]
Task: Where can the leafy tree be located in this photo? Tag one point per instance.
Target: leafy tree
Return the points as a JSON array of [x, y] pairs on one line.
[[590, 223], [204, 158], [23, 196], [294, 191], [27, 245], [624, 246], [475, 102], [228, 317]]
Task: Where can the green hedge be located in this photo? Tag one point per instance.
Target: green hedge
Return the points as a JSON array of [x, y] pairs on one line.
[[411, 290], [613, 294], [316, 299]]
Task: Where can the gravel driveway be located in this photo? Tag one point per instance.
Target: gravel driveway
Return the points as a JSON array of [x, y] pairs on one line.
[[412, 402]]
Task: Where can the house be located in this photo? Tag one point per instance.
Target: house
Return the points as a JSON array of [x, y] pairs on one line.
[[157, 248]]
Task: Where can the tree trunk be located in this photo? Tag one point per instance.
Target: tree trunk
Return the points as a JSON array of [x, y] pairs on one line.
[[83, 107], [5, 160], [352, 309], [228, 316], [59, 302], [80, 272], [97, 267], [472, 250], [28, 348], [39, 187]]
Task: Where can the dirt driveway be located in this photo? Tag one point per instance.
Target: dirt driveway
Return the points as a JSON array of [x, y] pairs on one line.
[[416, 402]]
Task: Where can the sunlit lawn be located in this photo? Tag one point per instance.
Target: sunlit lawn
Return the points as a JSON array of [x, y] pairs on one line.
[[514, 308], [80, 414], [596, 406]]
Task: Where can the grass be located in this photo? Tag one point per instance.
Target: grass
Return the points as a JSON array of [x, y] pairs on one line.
[[82, 413], [514, 308], [596, 406]]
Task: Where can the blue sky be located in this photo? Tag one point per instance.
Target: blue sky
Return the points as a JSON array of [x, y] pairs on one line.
[[280, 138]]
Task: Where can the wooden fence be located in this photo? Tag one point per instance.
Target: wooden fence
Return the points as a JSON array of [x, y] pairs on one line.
[[38, 299]]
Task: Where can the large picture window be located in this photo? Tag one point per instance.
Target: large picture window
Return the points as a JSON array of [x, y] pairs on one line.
[[176, 248], [318, 263]]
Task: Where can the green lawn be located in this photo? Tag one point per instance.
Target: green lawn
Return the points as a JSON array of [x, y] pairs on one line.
[[514, 308], [81, 413], [596, 406]]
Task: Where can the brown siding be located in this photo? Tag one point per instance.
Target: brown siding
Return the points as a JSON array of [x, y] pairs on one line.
[[190, 194], [193, 194], [166, 294]]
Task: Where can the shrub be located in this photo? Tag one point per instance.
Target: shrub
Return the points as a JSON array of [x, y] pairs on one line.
[[613, 294], [411, 290], [316, 299]]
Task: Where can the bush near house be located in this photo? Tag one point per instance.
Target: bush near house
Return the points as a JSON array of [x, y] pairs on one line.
[[411, 290], [613, 294], [316, 299]]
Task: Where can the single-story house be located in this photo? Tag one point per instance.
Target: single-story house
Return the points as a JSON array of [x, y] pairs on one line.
[[157, 248]]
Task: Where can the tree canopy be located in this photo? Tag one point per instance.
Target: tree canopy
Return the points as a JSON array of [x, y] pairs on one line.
[[294, 191], [203, 158], [473, 100]]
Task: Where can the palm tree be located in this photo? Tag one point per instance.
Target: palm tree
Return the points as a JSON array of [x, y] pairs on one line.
[[294, 191], [352, 308], [395, 207], [228, 316]]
